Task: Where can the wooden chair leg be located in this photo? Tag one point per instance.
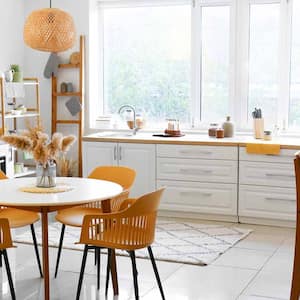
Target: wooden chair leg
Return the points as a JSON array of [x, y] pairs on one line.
[[156, 272], [134, 273], [107, 270], [295, 289], [85, 252], [36, 249], [98, 251], [61, 239], [9, 277]]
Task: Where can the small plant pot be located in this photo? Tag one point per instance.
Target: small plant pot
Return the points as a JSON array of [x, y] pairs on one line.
[[17, 77]]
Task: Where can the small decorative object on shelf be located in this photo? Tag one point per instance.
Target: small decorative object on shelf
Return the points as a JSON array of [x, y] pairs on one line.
[[70, 88], [9, 75], [228, 127], [17, 74], [219, 133], [75, 58], [63, 87], [212, 129], [45, 151]]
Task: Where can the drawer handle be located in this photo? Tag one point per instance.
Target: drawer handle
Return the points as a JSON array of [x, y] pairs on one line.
[[279, 199], [195, 152], [195, 194], [192, 171], [279, 175]]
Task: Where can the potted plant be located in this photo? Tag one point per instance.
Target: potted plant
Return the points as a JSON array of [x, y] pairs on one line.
[[17, 74]]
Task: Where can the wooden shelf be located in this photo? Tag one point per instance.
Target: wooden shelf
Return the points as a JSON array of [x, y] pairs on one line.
[[67, 94], [26, 115], [68, 121], [68, 66], [77, 123], [27, 173]]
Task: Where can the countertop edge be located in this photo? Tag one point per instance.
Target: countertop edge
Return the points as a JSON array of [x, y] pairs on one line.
[[194, 141]]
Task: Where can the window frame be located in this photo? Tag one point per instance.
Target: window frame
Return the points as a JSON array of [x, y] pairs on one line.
[[238, 58]]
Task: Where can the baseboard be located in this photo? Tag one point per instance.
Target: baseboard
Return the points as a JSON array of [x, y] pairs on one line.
[[270, 222]]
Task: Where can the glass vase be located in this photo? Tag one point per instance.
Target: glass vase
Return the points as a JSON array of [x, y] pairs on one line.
[[46, 174]]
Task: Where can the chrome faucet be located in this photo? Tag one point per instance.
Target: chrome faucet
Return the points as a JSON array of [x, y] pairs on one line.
[[135, 128]]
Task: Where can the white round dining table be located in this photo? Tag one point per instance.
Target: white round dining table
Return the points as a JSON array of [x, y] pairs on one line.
[[79, 191]]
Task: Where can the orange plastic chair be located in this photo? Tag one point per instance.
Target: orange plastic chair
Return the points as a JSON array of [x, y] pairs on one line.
[[129, 229], [295, 288], [20, 218], [74, 216], [6, 242]]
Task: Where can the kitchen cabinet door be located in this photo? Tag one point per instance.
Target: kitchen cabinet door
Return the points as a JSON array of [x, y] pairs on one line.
[[141, 158], [98, 154]]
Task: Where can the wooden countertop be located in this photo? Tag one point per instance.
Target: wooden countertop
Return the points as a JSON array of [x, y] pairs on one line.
[[188, 139]]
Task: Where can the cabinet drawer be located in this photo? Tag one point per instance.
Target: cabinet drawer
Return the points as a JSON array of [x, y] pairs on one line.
[[199, 197], [267, 202], [261, 173], [197, 170], [204, 152], [285, 156]]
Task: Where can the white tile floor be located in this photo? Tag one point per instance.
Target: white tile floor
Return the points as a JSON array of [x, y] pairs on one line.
[[257, 268]]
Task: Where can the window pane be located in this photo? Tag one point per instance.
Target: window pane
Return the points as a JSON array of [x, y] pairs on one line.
[[294, 116], [147, 61], [215, 63], [263, 61]]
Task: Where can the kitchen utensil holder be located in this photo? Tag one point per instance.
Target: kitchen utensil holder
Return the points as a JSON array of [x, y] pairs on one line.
[[258, 125]]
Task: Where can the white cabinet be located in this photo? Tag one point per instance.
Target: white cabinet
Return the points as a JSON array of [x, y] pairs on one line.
[[199, 179], [267, 190], [140, 157]]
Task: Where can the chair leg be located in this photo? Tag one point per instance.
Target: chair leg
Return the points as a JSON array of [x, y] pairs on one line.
[[134, 273], [295, 289], [107, 270], [36, 249], [61, 239], [10, 281], [98, 251], [156, 272], [0, 259], [85, 252]]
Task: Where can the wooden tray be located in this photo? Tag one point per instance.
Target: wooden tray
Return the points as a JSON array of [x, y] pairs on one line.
[[174, 132]]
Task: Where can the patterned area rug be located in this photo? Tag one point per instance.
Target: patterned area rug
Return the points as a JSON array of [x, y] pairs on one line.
[[184, 242]]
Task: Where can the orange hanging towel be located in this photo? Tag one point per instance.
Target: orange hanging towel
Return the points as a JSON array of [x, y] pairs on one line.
[[263, 149]]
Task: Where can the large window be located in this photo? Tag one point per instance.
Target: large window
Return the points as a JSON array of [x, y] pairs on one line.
[[147, 61], [263, 60], [199, 61], [294, 108], [215, 29]]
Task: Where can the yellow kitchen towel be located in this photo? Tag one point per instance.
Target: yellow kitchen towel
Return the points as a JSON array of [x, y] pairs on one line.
[[263, 149]]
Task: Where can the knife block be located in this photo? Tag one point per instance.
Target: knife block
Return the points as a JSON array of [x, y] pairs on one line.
[[258, 126]]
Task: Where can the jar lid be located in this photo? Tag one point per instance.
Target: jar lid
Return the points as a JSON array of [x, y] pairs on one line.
[[213, 124], [267, 132]]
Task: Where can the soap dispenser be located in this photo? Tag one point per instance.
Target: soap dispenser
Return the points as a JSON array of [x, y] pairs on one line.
[[228, 127]]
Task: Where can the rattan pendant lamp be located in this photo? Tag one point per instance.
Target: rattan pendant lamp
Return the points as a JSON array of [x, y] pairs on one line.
[[50, 30]]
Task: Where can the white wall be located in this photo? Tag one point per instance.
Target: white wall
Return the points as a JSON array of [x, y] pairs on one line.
[[11, 33]]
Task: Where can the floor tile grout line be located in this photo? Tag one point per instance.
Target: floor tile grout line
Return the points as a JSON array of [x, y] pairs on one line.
[[259, 270]]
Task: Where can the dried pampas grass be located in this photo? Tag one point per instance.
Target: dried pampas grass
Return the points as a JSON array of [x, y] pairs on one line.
[[37, 142], [19, 142], [65, 166], [67, 142]]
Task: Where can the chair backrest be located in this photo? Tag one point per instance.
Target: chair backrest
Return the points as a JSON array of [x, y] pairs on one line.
[[132, 228], [2, 175], [118, 174], [297, 174], [5, 237]]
